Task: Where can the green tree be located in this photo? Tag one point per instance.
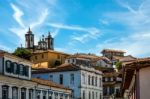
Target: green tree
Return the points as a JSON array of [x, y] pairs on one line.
[[23, 53], [118, 65]]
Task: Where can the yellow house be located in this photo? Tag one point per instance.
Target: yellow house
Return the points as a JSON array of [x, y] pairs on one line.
[[48, 58]]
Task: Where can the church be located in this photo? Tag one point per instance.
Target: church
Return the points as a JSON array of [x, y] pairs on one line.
[[46, 43]]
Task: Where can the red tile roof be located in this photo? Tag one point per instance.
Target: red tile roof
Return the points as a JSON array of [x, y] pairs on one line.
[[61, 68]]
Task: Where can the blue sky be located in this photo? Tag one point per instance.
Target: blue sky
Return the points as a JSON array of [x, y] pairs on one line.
[[85, 26]]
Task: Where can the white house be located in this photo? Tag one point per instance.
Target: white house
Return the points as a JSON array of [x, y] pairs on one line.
[[85, 82], [16, 81]]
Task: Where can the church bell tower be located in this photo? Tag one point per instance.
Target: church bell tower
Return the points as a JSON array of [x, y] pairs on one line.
[[50, 41], [29, 39]]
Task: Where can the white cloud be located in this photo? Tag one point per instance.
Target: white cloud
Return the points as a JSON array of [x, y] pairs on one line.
[[136, 44], [20, 31], [136, 20], [40, 20], [17, 15], [84, 35]]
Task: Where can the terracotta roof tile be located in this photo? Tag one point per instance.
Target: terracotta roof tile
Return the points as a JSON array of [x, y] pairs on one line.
[[138, 63], [61, 68]]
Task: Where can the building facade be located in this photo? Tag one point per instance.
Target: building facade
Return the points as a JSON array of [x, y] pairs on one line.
[[16, 81], [85, 82], [48, 59]]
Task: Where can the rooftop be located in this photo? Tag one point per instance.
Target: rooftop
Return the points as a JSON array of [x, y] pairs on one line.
[[85, 56], [50, 51], [2, 53], [130, 67], [112, 50], [64, 68], [48, 83]]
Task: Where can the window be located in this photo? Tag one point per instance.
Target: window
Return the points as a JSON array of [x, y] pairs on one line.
[[73, 60], [100, 82], [51, 77], [89, 79], [95, 81], [89, 95], [92, 80], [71, 78], [23, 93], [8, 66], [92, 95], [56, 95], [61, 96], [21, 69], [83, 78], [38, 94], [96, 96], [42, 55], [26, 71], [15, 68], [83, 94], [5, 92], [61, 78], [100, 96], [50, 95], [66, 96], [44, 94], [30, 93], [14, 93], [68, 60]]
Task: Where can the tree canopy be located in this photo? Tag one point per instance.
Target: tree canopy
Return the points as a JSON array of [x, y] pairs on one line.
[[118, 65], [23, 53]]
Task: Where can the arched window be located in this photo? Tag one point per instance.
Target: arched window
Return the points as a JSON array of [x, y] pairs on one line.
[[23, 93], [44, 94], [14, 93], [50, 94], [30, 93], [5, 92], [26, 71], [8, 66], [15, 68]]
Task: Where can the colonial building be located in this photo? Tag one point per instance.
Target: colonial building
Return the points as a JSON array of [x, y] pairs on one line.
[[46, 43], [85, 81], [111, 78], [110, 53], [136, 82], [111, 85], [48, 58], [16, 81]]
